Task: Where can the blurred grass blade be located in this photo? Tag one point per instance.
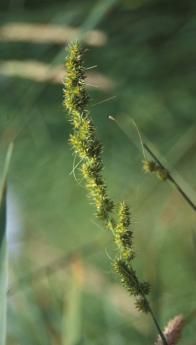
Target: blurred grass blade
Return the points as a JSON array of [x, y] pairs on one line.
[[3, 267], [71, 327], [98, 12], [3, 249]]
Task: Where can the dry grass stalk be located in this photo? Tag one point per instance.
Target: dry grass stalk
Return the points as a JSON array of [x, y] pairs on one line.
[[47, 33], [41, 72]]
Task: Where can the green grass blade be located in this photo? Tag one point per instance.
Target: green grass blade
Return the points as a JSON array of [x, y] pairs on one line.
[[3, 250], [97, 13], [71, 323]]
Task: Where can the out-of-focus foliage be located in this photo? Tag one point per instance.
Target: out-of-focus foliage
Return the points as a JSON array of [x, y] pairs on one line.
[[150, 58], [3, 247]]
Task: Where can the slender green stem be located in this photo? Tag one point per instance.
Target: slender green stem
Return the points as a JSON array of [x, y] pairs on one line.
[[154, 318], [158, 327], [149, 309], [171, 178]]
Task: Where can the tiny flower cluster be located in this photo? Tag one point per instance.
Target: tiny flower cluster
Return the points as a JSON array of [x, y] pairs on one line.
[[85, 144], [153, 167]]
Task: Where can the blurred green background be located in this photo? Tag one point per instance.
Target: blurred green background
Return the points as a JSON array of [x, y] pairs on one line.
[[141, 65]]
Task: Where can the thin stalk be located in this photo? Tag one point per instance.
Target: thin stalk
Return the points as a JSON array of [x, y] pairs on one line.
[[171, 178], [158, 327], [154, 318]]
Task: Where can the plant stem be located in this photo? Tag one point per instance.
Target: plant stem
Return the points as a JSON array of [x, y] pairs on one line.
[[162, 336], [158, 327], [149, 310], [171, 178]]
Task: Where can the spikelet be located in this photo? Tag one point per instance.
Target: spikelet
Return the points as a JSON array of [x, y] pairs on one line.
[[153, 167], [131, 282], [83, 138], [85, 144]]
